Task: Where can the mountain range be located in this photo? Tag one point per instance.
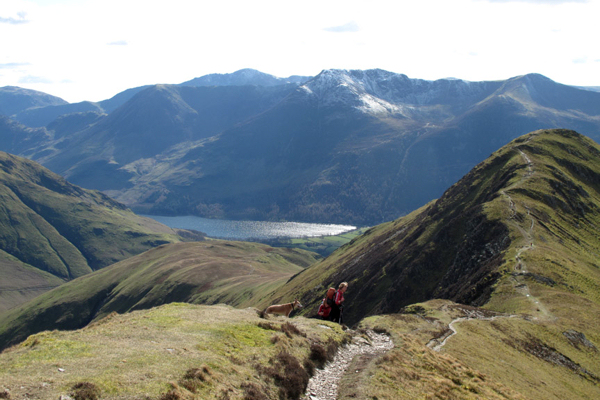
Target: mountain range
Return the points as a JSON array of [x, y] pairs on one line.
[[489, 291], [360, 147]]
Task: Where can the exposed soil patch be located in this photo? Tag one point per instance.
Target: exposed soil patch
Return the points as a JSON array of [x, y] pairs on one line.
[[536, 347], [579, 340]]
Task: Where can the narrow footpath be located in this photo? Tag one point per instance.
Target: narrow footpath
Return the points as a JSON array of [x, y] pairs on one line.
[[325, 383], [520, 267]]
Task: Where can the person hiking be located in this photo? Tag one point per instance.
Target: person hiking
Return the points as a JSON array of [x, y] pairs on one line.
[[325, 307], [336, 308]]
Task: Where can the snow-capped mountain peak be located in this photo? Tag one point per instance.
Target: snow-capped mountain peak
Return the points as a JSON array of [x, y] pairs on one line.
[[378, 91]]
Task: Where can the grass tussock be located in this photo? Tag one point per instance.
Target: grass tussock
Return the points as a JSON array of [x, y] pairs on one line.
[[85, 391], [288, 374], [253, 391], [195, 378], [290, 329], [320, 354]]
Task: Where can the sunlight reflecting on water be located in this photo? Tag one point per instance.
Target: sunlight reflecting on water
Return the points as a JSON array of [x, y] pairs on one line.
[[243, 230]]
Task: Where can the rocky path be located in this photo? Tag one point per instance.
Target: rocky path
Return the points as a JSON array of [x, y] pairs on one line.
[[324, 384]]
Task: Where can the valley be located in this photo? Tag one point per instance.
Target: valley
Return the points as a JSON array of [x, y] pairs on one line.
[[344, 147], [478, 269]]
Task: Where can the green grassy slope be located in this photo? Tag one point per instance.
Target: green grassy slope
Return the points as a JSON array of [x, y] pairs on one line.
[[20, 282], [516, 239], [178, 351], [210, 272], [500, 356], [537, 198], [64, 230]]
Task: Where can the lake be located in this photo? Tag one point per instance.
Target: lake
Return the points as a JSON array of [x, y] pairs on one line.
[[246, 230]]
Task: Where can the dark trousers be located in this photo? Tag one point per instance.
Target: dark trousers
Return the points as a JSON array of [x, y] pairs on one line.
[[334, 315]]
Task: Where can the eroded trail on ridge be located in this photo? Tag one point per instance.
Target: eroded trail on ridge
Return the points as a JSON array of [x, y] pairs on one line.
[[520, 271], [437, 343], [324, 384]]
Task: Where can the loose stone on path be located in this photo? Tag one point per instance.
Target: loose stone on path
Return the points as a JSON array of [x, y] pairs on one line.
[[324, 384]]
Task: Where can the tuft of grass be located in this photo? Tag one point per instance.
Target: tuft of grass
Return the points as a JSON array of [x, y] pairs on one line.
[[288, 374], [85, 391], [195, 378], [253, 392], [290, 329]]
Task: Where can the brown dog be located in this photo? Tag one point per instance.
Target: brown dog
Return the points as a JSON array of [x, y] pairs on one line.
[[283, 309]]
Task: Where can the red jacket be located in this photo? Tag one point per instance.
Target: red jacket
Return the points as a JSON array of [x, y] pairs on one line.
[[324, 309], [339, 298]]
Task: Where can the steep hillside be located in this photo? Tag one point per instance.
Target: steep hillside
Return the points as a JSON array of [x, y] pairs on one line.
[[16, 138], [515, 241], [525, 217], [154, 126], [61, 229], [356, 147], [351, 147], [20, 282], [211, 272]]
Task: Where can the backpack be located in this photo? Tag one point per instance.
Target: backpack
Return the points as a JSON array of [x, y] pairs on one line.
[[325, 307], [330, 296]]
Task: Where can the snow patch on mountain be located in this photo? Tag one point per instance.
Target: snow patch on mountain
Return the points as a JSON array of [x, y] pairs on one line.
[[377, 91], [374, 105]]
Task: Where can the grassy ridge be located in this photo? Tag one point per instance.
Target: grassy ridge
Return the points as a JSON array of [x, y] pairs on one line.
[[464, 245], [210, 272], [516, 237], [62, 230], [554, 220], [510, 357], [189, 351], [184, 351]]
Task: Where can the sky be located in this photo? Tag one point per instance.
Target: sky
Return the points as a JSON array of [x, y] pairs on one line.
[[93, 49]]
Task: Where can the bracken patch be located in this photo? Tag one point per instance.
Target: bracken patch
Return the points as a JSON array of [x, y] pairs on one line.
[[291, 329], [85, 391], [253, 392], [288, 375], [195, 378]]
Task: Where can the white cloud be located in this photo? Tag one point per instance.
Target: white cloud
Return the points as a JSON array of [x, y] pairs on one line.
[[349, 27], [12, 65], [34, 79], [19, 19]]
